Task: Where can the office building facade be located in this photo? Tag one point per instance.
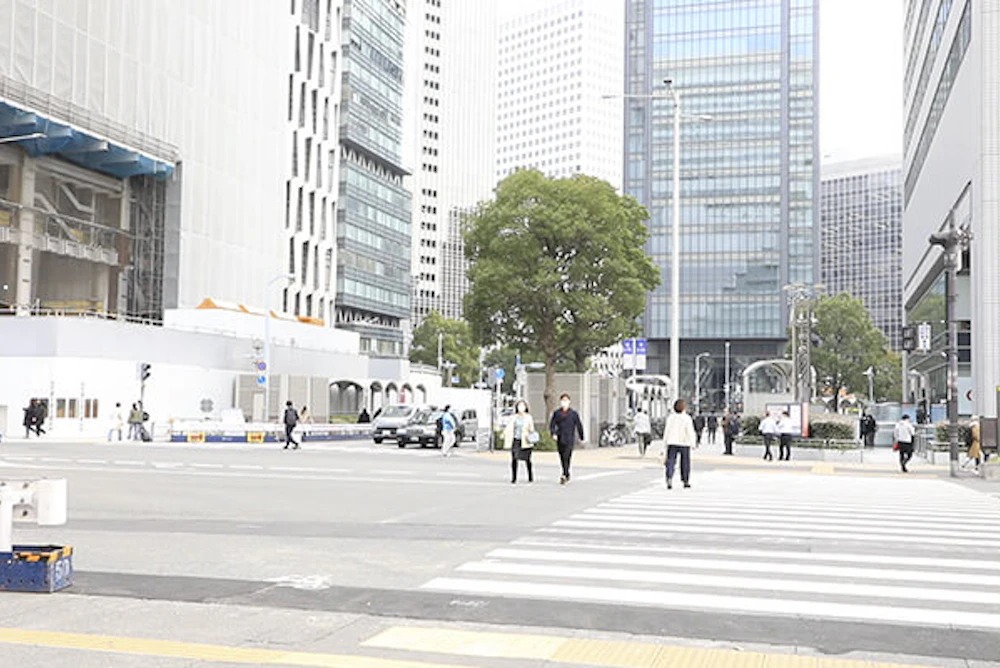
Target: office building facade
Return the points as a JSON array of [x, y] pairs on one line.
[[951, 160], [449, 140], [373, 214], [557, 68], [746, 72], [861, 238]]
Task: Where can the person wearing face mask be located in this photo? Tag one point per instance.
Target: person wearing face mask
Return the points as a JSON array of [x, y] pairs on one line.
[[565, 426], [520, 437]]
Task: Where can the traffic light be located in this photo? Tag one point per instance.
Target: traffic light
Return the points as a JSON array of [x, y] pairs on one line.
[[145, 369], [909, 338]]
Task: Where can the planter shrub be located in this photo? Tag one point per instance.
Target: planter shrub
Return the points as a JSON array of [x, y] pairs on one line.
[[824, 430]]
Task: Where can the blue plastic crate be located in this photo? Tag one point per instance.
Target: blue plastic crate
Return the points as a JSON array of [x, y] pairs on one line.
[[36, 568]]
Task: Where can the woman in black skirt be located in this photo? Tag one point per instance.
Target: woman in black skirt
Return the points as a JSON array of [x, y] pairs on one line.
[[520, 436]]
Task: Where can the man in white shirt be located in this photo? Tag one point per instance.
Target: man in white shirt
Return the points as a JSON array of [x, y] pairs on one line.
[[643, 431], [768, 429], [903, 435], [786, 434]]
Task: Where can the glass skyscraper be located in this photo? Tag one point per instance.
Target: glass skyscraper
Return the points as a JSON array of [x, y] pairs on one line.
[[747, 75], [373, 216]]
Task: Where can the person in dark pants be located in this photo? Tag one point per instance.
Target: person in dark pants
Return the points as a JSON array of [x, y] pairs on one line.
[[904, 433], [291, 419], [868, 429], [680, 436], [519, 436], [565, 426], [731, 427], [30, 418], [768, 429], [699, 427], [786, 433], [713, 426]]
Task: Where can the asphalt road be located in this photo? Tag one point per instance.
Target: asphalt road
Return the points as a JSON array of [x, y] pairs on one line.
[[348, 539]]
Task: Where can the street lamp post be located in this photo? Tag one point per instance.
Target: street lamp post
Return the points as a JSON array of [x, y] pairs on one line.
[[697, 381], [870, 374], [729, 405], [675, 250], [675, 247], [950, 242], [267, 342]]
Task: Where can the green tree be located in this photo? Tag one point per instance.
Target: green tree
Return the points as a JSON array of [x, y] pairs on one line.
[[557, 269], [458, 346], [848, 344]]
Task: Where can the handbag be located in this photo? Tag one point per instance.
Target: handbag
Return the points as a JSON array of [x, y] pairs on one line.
[[895, 445], [531, 439]]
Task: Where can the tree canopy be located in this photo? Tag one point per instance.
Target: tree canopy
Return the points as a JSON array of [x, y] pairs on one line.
[[557, 268], [849, 343], [457, 346]]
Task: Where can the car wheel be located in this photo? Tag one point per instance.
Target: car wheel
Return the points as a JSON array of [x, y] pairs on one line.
[[378, 441], [400, 444]]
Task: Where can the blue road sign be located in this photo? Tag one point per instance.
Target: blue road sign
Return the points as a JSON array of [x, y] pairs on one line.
[[262, 380], [261, 366], [640, 346], [499, 373], [627, 347]]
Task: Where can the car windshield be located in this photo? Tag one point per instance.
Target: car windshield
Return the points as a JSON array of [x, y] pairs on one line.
[[397, 411], [424, 416]]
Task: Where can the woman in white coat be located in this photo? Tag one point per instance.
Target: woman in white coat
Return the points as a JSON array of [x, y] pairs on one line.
[[680, 437], [520, 436]]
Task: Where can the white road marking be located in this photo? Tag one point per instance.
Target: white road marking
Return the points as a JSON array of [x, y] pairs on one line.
[[128, 462], [92, 461], [59, 460], [602, 474], [726, 604], [246, 467]]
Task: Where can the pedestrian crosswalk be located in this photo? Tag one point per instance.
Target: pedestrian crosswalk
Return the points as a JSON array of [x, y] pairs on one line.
[[889, 550]]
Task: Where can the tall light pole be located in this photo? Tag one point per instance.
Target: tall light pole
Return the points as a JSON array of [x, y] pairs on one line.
[[675, 248], [951, 241], [697, 381], [870, 375], [729, 405], [267, 341]]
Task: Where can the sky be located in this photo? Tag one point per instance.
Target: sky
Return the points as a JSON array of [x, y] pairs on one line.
[[861, 71]]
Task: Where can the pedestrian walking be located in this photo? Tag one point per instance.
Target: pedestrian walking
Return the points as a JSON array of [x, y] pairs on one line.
[[731, 427], [903, 436], [565, 426], [699, 427], [134, 422], [975, 452], [868, 429], [520, 437], [680, 436], [116, 423], [768, 429], [29, 418], [306, 421], [786, 434], [41, 414], [448, 426], [712, 424], [291, 420], [643, 429]]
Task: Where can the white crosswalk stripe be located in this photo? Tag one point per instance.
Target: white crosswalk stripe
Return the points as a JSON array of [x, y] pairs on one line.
[[880, 550]]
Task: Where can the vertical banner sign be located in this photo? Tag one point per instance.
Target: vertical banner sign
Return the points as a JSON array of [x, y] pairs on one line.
[[628, 354], [640, 354], [924, 337]]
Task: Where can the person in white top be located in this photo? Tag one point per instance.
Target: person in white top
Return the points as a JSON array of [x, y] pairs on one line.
[[643, 431], [786, 434], [903, 435], [117, 422], [520, 437], [679, 436], [768, 428]]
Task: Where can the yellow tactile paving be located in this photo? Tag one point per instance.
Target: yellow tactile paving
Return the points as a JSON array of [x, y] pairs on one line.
[[601, 653], [198, 651]]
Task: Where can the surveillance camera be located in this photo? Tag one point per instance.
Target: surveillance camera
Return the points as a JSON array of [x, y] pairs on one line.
[[669, 81]]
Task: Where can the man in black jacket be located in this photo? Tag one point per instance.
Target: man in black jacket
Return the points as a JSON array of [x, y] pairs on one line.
[[291, 419], [565, 426]]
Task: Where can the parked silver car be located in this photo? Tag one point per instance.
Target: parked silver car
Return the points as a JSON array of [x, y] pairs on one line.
[[387, 424]]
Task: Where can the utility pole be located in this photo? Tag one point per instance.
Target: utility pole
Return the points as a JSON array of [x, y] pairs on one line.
[[951, 241]]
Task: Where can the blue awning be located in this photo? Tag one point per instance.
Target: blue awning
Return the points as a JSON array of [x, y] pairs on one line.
[[43, 136]]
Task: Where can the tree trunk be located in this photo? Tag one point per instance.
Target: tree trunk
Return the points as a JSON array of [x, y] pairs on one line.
[[550, 386]]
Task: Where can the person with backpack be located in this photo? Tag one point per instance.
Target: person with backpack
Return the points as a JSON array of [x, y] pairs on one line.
[[291, 419], [868, 429], [134, 422]]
